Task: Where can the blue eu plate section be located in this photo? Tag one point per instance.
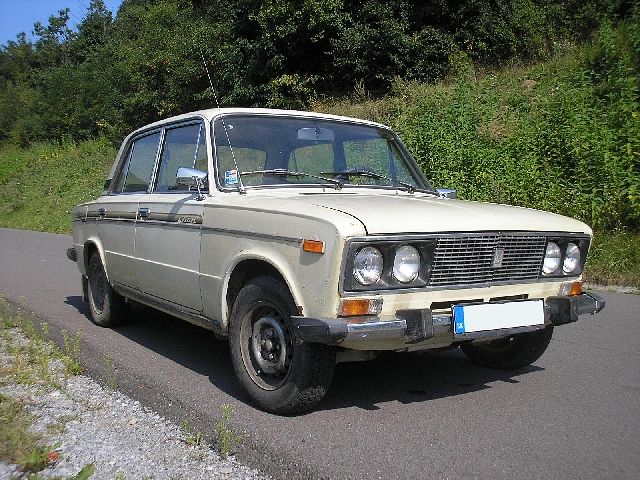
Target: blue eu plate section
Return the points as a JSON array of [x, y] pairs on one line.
[[458, 318]]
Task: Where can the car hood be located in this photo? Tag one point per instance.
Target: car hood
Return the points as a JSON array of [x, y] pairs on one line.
[[405, 213]]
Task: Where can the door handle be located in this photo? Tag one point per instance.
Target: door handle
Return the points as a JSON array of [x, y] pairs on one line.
[[143, 213]]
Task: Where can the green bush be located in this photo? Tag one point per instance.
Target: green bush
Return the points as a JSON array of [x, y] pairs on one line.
[[563, 135]]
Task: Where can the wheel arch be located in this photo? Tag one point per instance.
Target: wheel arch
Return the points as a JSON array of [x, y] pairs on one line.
[[244, 270], [90, 246]]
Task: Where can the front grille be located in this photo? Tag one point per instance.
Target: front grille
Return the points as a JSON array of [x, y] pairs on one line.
[[467, 260]]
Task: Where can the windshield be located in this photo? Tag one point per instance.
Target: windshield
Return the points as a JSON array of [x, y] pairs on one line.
[[264, 150]]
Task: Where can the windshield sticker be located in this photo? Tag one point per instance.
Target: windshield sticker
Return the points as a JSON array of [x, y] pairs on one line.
[[230, 177]]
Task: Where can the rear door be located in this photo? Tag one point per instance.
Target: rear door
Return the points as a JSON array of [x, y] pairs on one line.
[[168, 231], [117, 213]]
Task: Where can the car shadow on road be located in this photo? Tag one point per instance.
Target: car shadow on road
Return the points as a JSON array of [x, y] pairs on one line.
[[188, 345], [411, 377], [77, 302], [400, 377]]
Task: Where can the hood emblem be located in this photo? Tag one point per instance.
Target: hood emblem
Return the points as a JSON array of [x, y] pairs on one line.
[[498, 257]]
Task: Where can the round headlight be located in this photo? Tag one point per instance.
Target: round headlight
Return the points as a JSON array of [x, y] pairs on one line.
[[571, 259], [551, 259], [367, 266], [406, 264]]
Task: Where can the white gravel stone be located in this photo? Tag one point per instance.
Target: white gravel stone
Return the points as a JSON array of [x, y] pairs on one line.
[[122, 438]]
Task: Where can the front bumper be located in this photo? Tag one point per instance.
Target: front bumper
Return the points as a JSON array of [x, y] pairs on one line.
[[419, 325]]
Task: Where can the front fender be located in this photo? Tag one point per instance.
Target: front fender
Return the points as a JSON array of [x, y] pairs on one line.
[[276, 260]]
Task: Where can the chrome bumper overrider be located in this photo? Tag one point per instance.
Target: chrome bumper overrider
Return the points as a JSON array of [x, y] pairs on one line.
[[417, 325]]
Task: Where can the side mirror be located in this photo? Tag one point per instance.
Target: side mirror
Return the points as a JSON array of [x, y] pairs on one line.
[[192, 178], [446, 193]]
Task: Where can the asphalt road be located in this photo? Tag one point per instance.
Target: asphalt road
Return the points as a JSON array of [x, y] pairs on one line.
[[574, 414]]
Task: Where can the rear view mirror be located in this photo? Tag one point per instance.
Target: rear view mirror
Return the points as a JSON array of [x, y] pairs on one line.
[[316, 133]]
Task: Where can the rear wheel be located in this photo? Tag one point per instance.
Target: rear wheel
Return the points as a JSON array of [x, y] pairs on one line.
[[510, 353], [107, 307], [281, 375]]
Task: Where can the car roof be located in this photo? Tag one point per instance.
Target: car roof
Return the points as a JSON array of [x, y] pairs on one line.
[[212, 113]]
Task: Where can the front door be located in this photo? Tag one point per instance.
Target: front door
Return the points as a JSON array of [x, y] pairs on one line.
[[168, 231]]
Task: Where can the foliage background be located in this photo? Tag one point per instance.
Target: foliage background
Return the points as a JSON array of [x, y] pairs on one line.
[[529, 102]]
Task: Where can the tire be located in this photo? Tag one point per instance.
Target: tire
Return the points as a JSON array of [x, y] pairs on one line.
[[511, 353], [280, 375], [107, 307]]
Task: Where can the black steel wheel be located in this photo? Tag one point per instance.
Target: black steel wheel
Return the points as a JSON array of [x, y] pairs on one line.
[[280, 374], [107, 307]]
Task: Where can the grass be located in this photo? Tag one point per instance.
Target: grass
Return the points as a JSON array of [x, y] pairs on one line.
[[32, 363], [614, 259], [40, 185], [19, 445], [192, 438], [226, 439], [112, 382]]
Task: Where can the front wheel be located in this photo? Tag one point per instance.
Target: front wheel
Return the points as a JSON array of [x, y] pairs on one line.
[[510, 353], [280, 375]]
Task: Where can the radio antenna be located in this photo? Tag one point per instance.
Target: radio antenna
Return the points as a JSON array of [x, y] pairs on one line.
[[241, 188]]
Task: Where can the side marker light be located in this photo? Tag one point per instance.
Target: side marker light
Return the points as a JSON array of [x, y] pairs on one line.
[[313, 246]]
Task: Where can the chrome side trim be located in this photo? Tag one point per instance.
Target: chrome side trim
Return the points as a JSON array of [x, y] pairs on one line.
[[187, 220], [242, 233], [104, 214], [184, 313]]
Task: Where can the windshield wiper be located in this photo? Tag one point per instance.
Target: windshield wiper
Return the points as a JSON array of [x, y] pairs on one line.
[[281, 172], [366, 173]]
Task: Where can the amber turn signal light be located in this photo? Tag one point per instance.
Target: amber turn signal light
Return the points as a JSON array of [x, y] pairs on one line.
[[353, 307], [576, 288], [313, 246]]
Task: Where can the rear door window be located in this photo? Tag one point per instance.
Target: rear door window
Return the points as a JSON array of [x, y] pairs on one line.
[[137, 173]]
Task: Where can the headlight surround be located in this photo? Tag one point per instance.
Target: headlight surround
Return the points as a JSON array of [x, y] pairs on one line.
[[552, 258], [367, 266], [572, 257], [565, 256], [406, 264]]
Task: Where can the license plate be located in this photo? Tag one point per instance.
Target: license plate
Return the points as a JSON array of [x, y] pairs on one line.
[[496, 316]]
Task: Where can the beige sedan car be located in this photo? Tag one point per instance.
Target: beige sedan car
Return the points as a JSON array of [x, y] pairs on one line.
[[309, 239]]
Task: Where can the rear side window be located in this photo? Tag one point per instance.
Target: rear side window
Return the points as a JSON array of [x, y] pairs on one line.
[[183, 147], [137, 173]]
